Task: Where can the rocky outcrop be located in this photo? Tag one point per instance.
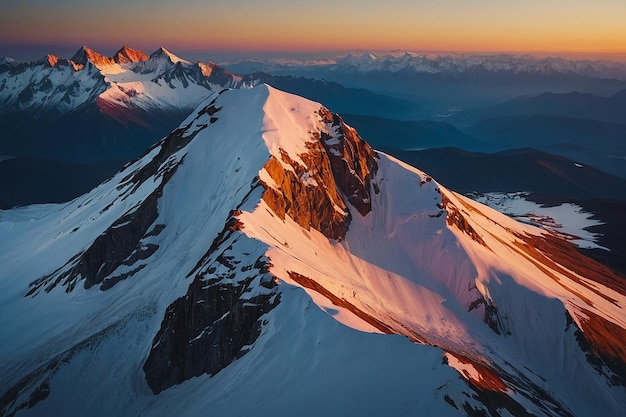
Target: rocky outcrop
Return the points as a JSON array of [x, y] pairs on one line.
[[312, 203], [211, 73], [338, 166], [207, 75], [220, 317], [352, 160]]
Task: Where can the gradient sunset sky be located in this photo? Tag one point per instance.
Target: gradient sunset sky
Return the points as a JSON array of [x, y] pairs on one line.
[[28, 27]]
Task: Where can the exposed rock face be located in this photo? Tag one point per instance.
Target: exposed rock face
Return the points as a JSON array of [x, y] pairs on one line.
[[206, 75], [219, 318], [215, 74], [51, 60], [353, 161], [126, 54], [308, 204], [339, 165], [87, 55]]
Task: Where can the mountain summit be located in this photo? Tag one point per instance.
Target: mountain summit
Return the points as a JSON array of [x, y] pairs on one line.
[[264, 260], [87, 55], [126, 54], [164, 53]]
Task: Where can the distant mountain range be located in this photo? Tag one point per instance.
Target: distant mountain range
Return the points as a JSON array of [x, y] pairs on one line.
[[384, 133], [438, 63], [116, 106], [442, 83], [129, 79]]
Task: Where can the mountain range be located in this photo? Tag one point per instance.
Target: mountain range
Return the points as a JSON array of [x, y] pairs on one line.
[[68, 124], [122, 103], [129, 79], [432, 62], [443, 83], [263, 259], [586, 128]]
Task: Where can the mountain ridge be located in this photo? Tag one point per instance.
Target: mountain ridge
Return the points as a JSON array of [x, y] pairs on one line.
[[119, 80], [97, 108]]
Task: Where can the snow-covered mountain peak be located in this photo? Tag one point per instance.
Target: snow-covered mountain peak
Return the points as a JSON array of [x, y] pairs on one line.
[[128, 55], [87, 55], [164, 53], [128, 82], [232, 248]]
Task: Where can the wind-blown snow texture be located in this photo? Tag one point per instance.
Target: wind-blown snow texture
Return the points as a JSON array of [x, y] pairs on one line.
[[207, 277]]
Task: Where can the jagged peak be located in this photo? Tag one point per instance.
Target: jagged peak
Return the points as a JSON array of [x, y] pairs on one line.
[[86, 54], [126, 54], [82, 55], [162, 52], [209, 68], [50, 60]]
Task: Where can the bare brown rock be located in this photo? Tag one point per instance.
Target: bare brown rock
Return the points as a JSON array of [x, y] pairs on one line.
[[126, 54], [352, 160], [338, 166]]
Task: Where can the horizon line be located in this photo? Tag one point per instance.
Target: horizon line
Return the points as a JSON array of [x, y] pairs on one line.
[[35, 52]]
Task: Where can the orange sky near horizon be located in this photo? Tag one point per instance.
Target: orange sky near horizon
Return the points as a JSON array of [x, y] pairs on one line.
[[572, 26]]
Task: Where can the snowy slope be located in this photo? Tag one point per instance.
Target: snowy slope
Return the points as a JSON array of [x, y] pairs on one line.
[[248, 263]]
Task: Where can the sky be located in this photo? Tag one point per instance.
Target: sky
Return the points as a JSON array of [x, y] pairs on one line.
[[33, 28]]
